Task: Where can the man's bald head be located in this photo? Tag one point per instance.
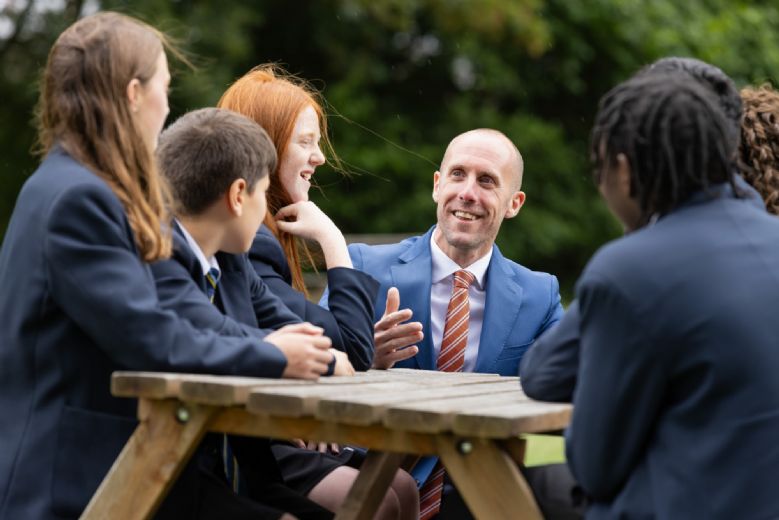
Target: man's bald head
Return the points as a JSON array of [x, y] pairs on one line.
[[516, 164]]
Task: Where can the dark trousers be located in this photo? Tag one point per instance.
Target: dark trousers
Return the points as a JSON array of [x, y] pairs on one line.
[[202, 491], [555, 490]]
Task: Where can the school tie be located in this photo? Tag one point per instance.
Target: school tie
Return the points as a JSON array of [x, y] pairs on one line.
[[228, 459], [450, 359], [212, 279]]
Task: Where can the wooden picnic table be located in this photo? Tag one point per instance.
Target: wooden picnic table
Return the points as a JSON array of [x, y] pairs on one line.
[[471, 421]]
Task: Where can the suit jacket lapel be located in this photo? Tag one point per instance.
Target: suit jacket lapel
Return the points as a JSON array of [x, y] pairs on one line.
[[504, 298], [412, 277]]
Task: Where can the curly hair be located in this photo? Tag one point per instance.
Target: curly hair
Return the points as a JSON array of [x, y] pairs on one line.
[[759, 148]]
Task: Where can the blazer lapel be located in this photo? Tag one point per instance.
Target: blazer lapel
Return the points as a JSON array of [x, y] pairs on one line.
[[412, 277], [504, 298]]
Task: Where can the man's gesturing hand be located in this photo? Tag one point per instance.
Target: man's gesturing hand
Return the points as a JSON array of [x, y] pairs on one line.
[[395, 340], [305, 348]]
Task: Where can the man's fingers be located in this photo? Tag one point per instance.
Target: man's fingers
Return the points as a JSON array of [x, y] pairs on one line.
[[390, 320], [401, 354], [393, 300]]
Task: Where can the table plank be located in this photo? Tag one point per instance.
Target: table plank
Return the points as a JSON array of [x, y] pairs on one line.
[[368, 407], [434, 414], [300, 401], [510, 419]]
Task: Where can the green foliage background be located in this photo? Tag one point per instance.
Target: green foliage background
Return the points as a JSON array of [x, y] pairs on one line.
[[404, 76]]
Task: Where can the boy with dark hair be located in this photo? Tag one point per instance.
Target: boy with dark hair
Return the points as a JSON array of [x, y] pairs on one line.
[[676, 385], [216, 163]]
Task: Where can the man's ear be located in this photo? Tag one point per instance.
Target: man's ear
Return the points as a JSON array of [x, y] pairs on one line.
[[134, 94], [436, 179], [515, 204], [236, 195]]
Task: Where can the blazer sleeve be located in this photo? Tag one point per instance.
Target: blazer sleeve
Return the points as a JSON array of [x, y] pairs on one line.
[[349, 320], [92, 264], [548, 369], [618, 394]]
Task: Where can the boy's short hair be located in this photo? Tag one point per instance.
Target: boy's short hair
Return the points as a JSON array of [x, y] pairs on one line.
[[206, 150]]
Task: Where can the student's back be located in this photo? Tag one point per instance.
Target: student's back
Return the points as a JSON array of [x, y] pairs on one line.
[[676, 406]]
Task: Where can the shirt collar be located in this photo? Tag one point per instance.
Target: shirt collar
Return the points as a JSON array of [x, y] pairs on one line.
[[443, 266], [205, 263]]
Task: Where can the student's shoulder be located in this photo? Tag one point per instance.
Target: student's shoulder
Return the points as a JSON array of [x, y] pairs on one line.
[[68, 191]]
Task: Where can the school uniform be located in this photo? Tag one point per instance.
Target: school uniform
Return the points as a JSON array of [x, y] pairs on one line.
[[78, 304]]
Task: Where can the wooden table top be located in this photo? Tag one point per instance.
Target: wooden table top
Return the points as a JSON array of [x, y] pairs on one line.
[[476, 405]]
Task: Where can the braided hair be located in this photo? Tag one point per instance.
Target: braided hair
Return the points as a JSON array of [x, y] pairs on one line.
[[709, 76], [674, 135], [759, 148]]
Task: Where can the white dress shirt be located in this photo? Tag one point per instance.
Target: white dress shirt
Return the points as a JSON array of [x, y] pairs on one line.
[[205, 263], [441, 292]]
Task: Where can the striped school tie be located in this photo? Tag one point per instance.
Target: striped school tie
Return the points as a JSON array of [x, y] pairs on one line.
[[212, 279], [228, 459], [450, 359]]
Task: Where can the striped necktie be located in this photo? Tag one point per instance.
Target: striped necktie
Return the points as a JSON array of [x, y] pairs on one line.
[[212, 279], [228, 459], [450, 359]]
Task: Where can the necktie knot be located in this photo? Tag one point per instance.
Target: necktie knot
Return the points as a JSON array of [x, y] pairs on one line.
[[212, 277], [463, 279]]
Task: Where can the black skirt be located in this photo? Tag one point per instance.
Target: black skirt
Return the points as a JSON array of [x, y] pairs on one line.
[[302, 469]]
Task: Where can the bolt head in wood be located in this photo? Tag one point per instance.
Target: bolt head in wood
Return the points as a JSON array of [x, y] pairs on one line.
[[182, 414], [465, 447]]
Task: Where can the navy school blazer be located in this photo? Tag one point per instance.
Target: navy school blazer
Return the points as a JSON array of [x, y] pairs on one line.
[[349, 320], [77, 304]]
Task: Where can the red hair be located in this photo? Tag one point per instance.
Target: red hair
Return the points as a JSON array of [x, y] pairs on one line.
[[274, 99]]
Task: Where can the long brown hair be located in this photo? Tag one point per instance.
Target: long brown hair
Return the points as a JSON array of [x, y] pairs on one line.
[[274, 98], [759, 148], [83, 107]]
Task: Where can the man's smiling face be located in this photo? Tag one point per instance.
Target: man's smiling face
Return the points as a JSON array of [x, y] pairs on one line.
[[477, 187]]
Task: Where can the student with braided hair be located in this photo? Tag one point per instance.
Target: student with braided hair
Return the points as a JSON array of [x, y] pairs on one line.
[[548, 370], [759, 147], [676, 394]]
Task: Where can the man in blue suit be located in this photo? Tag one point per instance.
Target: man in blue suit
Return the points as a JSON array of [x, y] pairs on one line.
[[478, 186], [676, 404]]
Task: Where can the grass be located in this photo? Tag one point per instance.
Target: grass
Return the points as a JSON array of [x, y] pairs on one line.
[[544, 449]]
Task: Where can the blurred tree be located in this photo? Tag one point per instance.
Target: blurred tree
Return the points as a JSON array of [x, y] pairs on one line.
[[402, 77]]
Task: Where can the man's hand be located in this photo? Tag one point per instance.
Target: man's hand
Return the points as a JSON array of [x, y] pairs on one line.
[[305, 348], [395, 340], [343, 367]]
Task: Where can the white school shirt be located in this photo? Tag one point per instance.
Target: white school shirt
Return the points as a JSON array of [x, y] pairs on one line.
[[441, 292], [205, 263]]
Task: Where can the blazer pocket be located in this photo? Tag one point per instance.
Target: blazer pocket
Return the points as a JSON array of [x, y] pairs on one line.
[[507, 362], [87, 445]]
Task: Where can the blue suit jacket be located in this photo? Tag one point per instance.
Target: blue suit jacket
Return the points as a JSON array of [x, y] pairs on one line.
[[349, 320], [77, 304], [676, 406], [520, 304]]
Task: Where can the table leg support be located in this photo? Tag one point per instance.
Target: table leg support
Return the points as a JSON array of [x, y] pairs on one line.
[[488, 480], [372, 483], [151, 460]]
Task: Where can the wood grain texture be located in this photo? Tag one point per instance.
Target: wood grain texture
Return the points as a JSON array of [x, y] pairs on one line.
[[150, 462], [489, 481]]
